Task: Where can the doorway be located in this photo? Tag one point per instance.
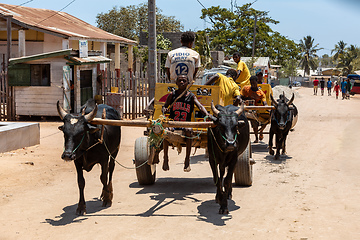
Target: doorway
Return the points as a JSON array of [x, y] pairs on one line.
[[86, 91]]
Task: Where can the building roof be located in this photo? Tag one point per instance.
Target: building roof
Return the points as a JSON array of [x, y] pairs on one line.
[[58, 53], [73, 60], [57, 23], [260, 61], [87, 60]]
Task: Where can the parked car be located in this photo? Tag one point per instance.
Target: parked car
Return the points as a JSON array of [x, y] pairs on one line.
[[296, 84], [355, 81]]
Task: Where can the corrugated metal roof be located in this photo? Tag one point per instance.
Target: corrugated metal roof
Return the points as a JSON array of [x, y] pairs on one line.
[[40, 56], [260, 61], [88, 60], [58, 23]]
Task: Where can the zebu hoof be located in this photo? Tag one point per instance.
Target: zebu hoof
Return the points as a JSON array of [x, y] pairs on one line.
[[283, 152], [106, 197], [229, 196], [271, 152], [107, 203], [223, 210], [80, 211], [277, 156]]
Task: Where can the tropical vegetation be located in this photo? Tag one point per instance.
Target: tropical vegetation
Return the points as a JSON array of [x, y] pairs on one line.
[[308, 54]]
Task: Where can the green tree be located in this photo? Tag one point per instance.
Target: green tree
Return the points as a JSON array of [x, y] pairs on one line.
[[143, 52], [232, 31], [202, 47], [281, 50], [339, 50], [308, 52], [288, 69], [348, 60], [327, 61], [131, 20]]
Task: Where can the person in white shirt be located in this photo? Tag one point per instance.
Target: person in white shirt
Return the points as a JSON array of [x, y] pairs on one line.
[[183, 60]]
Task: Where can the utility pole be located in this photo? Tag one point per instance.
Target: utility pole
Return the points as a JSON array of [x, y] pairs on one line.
[[8, 55], [253, 46], [9, 39], [152, 73]]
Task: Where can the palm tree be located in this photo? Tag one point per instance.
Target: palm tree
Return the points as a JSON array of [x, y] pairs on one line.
[[308, 52], [339, 50], [346, 60]]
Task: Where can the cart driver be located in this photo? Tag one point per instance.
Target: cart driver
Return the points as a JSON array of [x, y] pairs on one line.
[[252, 92], [181, 110]]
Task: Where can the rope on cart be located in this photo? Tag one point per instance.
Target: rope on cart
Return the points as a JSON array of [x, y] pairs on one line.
[[156, 140], [120, 163]]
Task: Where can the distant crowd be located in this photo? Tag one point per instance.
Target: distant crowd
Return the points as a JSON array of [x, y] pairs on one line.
[[344, 87]]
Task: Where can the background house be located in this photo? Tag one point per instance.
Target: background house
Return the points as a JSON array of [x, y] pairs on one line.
[[55, 56]]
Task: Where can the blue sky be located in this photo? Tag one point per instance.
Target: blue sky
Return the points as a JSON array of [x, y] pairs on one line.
[[327, 21]]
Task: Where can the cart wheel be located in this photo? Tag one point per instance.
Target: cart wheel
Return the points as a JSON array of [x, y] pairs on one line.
[[243, 169], [146, 173]]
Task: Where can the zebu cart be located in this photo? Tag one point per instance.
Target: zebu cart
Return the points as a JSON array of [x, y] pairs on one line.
[[147, 147], [260, 115]]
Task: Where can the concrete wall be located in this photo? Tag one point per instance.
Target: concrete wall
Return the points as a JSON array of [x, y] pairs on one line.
[[18, 135]]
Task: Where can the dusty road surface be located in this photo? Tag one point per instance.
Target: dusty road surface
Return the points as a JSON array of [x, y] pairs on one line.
[[311, 193]]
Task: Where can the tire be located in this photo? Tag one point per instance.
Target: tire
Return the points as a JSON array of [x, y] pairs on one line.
[[145, 174], [243, 170]]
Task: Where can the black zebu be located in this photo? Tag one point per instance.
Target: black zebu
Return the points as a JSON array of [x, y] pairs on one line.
[[82, 146], [226, 142], [283, 119]]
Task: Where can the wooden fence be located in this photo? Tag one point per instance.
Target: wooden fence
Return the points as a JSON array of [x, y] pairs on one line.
[[7, 103], [129, 93]]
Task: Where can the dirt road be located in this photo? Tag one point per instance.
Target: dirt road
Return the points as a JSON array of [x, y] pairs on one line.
[[311, 193]]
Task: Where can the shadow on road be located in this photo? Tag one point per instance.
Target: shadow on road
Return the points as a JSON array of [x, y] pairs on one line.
[[69, 215], [259, 147], [170, 190], [198, 159], [164, 192], [208, 212], [282, 159]]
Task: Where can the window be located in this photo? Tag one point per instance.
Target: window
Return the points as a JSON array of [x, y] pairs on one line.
[[29, 75], [40, 74]]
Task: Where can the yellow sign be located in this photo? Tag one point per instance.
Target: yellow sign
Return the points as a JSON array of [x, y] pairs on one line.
[[205, 94]]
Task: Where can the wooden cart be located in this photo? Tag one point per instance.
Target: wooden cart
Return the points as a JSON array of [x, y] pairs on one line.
[[146, 149]]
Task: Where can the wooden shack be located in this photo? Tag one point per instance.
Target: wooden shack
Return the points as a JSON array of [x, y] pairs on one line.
[[54, 56]]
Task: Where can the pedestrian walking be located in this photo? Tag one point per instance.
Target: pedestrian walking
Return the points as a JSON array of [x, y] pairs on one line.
[[316, 85], [329, 86], [343, 89], [348, 88], [336, 89], [322, 86]]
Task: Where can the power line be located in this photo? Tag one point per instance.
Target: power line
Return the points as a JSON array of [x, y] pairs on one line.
[[19, 5], [205, 9], [24, 3], [55, 13]]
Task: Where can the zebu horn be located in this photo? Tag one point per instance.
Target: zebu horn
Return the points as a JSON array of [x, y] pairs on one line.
[[61, 111], [292, 99], [215, 111], [83, 111], [90, 116], [273, 100], [241, 109]]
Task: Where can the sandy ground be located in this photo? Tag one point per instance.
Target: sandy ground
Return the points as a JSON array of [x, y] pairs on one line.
[[312, 192]]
